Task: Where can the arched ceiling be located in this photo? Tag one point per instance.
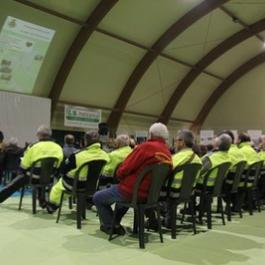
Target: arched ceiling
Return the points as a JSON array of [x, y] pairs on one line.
[[159, 59]]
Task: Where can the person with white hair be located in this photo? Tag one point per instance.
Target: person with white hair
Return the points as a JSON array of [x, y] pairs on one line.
[[153, 151], [116, 157], [43, 148]]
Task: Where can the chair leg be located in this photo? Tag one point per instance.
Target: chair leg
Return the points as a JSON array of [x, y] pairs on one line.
[[203, 204], [250, 201], [135, 221], [159, 224], [34, 200], [209, 212], [173, 209], [78, 211], [183, 214], [222, 209], [141, 227], [193, 215], [70, 202], [21, 197], [60, 208], [228, 206], [113, 223]]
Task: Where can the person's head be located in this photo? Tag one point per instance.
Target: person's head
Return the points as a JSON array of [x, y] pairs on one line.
[[91, 137], [13, 141], [223, 142], [1, 137], [184, 139], [122, 140], [243, 137], [69, 139], [158, 131], [132, 143], [262, 142], [230, 133], [44, 132]]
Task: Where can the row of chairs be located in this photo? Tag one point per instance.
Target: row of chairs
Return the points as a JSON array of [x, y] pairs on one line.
[[159, 172]]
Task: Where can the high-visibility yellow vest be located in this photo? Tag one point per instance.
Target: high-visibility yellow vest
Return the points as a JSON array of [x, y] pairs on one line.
[[90, 153], [180, 158], [249, 153], [236, 155], [116, 157], [41, 149], [216, 158]]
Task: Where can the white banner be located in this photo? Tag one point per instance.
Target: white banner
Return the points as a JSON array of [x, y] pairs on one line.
[[206, 137], [81, 117], [23, 46]]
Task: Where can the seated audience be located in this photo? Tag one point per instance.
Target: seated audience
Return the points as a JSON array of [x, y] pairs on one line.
[[91, 152], [153, 151], [45, 147]]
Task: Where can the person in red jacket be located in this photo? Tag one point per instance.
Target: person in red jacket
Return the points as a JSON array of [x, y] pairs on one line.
[[153, 151]]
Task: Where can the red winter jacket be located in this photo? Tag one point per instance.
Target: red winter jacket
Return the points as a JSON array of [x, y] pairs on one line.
[[151, 152]]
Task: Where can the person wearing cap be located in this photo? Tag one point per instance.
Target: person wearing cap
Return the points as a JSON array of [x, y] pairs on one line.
[[43, 148], [116, 158], [153, 151], [71, 165]]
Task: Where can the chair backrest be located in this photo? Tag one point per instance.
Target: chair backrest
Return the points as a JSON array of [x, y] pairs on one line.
[[252, 174], [221, 171], [12, 161], [115, 180], [158, 174], [240, 167], [94, 169], [190, 172], [45, 169]]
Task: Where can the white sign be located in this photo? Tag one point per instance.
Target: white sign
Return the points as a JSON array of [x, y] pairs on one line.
[[23, 46], [206, 137], [81, 117]]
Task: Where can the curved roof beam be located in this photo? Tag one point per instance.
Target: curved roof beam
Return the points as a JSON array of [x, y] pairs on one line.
[[224, 86], [85, 32], [215, 53], [172, 32]]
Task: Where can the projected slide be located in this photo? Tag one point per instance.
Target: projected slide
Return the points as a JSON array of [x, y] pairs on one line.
[[23, 46]]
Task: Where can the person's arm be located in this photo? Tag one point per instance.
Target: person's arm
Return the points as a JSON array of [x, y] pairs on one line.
[[68, 164], [26, 160], [131, 163], [206, 165]]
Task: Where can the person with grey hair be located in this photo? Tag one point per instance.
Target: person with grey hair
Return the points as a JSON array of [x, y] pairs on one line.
[[217, 157], [71, 165], [116, 158], [184, 142], [148, 153], [43, 148]]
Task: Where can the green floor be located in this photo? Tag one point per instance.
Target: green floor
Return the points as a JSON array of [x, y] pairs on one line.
[[27, 239]]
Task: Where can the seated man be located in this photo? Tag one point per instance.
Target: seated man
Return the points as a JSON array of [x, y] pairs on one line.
[[151, 152], [44, 148], [91, 152], [185, 155], [261, 154], [217, 157], [116, 158]]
